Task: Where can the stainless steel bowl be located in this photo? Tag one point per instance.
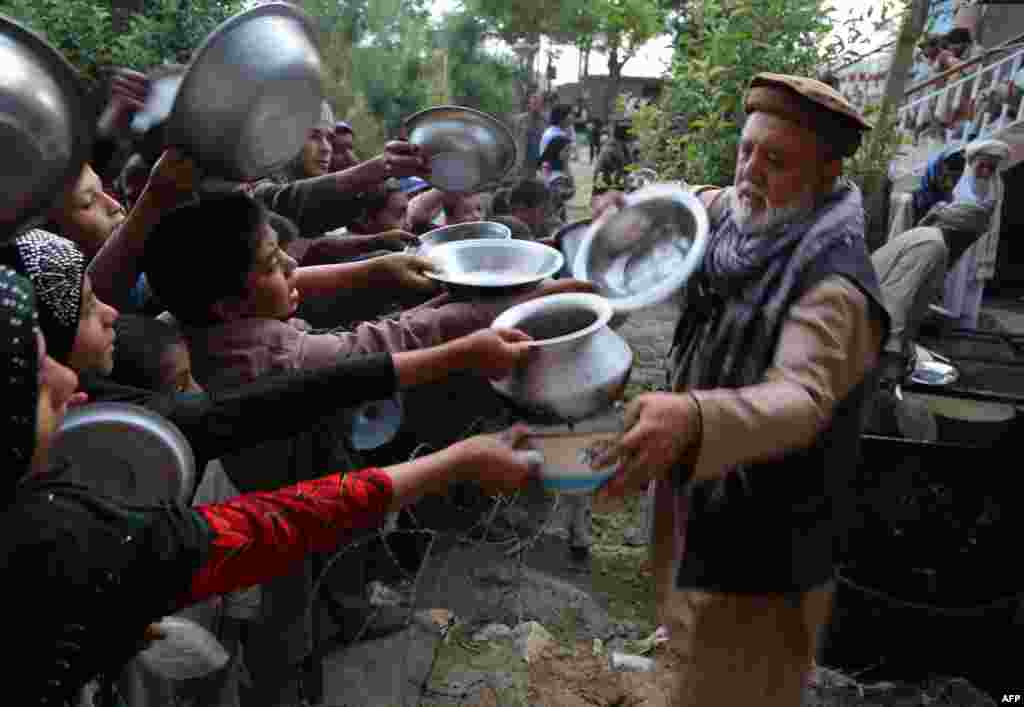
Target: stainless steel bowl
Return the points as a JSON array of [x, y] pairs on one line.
[[642, 254], [568, 238], [461, 232], [468, 149], [251, 94], [45, 132], [495, 263], [127, 451]]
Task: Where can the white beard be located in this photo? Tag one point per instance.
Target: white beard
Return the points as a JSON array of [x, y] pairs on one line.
[[769, 218]]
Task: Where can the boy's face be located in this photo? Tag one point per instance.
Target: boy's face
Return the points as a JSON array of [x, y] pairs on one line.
[[93, 349], [468, 208], [270, 285], [316, 153], [88, 215]]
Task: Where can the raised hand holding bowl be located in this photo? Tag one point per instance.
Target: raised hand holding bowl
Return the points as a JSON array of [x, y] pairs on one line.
[[467, 148]]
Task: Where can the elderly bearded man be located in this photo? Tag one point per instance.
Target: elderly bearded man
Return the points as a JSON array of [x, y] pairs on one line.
[[754, 447]]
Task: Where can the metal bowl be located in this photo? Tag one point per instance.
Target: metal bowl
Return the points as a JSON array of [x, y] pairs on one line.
[[934, 373], [642, 254], [45, 132], [127, 451], [568, 238], [495, 263], [468, 149], [461, 232], [251, 94]]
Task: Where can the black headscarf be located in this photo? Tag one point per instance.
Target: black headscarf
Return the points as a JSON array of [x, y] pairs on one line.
[[19, 371], [56, 268]]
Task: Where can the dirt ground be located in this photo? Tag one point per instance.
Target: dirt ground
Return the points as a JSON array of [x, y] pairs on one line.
[[584, 680]]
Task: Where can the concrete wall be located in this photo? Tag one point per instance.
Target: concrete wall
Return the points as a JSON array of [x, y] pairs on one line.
[[596, 88]]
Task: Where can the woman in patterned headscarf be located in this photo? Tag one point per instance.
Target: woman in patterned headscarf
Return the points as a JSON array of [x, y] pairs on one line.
[[78, 326], [93, 573]]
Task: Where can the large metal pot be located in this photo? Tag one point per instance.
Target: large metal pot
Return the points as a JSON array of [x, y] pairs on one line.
[[251, 94], [45, 132], [579, 366]]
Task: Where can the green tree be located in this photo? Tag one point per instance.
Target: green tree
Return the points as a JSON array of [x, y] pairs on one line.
[[477, 79], [693, 132], [84, 30], [623, 27]]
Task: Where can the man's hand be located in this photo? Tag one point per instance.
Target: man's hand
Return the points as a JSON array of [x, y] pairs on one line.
[[499, 462], [128, 92], [403, 159], [404, 271], [397, 240], [173, 178], [661, 430], [495, 352]]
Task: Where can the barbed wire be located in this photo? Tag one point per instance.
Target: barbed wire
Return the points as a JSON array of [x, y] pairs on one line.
[[489, 529]]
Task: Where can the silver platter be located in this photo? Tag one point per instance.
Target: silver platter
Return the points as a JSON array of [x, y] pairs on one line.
[[251, 94], [127, 451], [495, 263], [642, 254], [934, 373], [468, 149]]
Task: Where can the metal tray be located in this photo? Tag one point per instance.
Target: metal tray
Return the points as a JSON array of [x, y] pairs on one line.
[[468, 149], [642, 254], [127, 451], [251, 93], [490, 263], [934, 373], [45, 129]]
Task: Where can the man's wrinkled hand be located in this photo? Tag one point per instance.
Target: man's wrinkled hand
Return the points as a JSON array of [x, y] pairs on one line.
[[405, 271], [495, 353], [661, 431]]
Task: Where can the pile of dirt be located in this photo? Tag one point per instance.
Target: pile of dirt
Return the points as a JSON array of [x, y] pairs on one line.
[[585, 680]]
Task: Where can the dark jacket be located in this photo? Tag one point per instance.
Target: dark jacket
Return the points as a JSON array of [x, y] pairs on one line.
[[274, 407]]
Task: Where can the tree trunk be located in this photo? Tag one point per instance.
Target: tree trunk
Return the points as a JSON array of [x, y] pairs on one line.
[[614, 79], [878, 187], [122, 10], [903, 55]]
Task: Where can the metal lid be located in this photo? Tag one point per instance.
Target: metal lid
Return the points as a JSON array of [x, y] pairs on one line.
[[127, 451], [643, 253], [251, 94], [45, 131], [468, 149]]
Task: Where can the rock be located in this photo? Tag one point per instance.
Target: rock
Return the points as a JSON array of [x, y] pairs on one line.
[[501, 574], [492, 632], [433, 620], [531, 638], [624, 662], [381, 594], [630, 630]]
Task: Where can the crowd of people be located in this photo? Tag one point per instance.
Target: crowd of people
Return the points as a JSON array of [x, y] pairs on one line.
[[151, 282]]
